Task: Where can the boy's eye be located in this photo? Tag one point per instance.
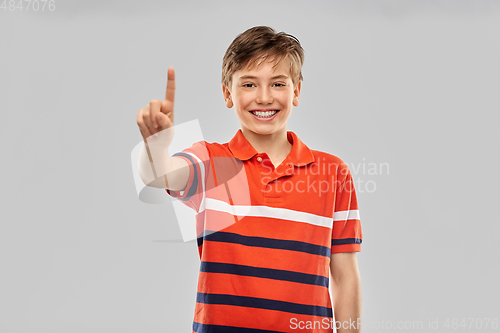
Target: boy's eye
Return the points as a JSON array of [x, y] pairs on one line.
[[249, 85]]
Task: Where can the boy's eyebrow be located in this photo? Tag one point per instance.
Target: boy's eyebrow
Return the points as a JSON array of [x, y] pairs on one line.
[[281, 76]]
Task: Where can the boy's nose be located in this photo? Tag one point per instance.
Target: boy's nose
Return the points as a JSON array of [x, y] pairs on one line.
[[264, 96]]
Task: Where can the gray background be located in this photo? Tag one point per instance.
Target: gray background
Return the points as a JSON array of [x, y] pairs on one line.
[[414, 84]]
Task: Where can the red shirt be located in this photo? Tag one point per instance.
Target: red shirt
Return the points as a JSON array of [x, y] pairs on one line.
[[266, 234]]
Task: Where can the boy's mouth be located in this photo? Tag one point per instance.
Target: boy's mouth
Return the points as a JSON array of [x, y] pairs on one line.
[[264, 114]]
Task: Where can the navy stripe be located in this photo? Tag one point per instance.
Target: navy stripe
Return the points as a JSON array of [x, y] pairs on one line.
[[199, 238], [194, 187], [346, 241], [203, 328], [271, 243], [263, 303], [266, 273], [202, 235]]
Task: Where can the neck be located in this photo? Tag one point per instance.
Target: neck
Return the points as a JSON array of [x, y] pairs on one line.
[[276, 144]]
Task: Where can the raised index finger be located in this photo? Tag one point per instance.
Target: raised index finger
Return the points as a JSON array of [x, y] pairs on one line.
[[170, 94]]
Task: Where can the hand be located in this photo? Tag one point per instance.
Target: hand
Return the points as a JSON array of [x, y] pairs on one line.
[[158, 116]]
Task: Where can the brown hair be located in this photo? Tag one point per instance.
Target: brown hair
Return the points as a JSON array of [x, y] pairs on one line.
[[262, 42]]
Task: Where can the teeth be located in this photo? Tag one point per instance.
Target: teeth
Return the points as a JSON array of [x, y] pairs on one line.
[[264, 114]]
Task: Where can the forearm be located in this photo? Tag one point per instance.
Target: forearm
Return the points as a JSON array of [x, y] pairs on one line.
[[346, 295], [155, 163]]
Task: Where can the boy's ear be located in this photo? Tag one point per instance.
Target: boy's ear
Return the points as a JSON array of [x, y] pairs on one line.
[[296, 94], [227, 96]]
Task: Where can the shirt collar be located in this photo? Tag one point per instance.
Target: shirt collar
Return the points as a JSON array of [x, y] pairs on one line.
[[243, 150]]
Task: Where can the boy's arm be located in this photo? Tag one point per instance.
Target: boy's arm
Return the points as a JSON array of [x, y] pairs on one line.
[[155, 175], [346, 291], [155, 121]]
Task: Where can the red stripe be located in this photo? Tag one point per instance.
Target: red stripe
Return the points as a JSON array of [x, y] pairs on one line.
[[267, 258], [253, 318], [271, 228], [216, 283]]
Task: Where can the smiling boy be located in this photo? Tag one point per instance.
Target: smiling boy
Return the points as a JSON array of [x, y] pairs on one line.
[[263, 113], [269, 270]]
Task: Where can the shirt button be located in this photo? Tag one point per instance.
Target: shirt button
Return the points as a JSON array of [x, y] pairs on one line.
[[259, 159]]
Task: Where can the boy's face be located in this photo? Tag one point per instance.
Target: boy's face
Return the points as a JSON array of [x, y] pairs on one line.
[[264, 89]]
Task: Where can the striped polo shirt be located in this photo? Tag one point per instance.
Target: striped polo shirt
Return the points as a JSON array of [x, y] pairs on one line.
[[265, 234]]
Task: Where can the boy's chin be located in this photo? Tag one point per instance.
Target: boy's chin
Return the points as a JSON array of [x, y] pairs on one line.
[[263, 130]]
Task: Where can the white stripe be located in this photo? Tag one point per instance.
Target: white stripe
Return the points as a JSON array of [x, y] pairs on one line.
[[202, 167], [266, 211], [346, 215]]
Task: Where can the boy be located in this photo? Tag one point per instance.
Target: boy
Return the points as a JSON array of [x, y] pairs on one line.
[[264, 260]]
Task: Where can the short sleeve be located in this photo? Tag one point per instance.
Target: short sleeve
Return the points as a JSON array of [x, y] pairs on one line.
[[346, 230], [198, 158]]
